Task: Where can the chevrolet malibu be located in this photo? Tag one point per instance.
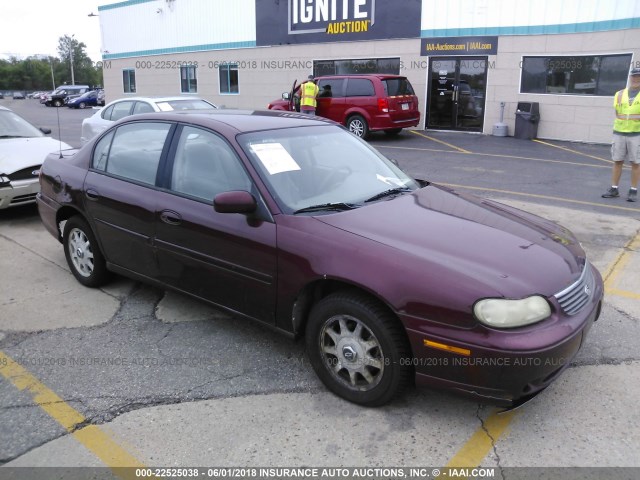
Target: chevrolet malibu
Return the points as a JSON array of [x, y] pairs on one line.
[[298, 224]]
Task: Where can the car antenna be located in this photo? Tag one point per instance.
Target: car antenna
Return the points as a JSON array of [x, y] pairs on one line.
[[59, 131]]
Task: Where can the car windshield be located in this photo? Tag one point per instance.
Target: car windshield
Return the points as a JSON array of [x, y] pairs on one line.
[[323, 168], [14, 126], [186, 104]]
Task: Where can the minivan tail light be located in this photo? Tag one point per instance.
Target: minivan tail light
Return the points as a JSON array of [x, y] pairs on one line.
[[383, 105]]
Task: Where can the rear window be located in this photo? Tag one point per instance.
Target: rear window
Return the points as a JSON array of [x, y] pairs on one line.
[[360, 87], [397, 86]]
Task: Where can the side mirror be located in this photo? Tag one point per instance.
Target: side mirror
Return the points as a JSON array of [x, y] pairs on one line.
[[286, 96], [46, 131], [237, 201]]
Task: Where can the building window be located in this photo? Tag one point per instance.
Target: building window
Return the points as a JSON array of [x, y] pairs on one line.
[[129, 80], [600, 75], [188, 80], [228, 74], [359, 65]]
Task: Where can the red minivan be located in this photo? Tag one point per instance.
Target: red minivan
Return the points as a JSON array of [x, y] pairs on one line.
[[362, 103]]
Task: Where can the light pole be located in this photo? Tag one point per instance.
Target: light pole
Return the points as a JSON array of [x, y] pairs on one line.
[[73, 80]]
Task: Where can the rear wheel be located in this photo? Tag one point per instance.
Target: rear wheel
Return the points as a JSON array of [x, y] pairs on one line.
[[83, 253], [358, 349], [358, 126]]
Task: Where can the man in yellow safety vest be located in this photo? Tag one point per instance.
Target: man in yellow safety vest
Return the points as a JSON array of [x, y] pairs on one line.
[[308, 93], [626, 136]]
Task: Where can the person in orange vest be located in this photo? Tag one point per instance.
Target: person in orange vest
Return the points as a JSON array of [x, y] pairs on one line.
[[308, 93], [626, 136]]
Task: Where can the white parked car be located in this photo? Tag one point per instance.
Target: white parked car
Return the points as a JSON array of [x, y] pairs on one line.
[[123, 107], [23, 148]]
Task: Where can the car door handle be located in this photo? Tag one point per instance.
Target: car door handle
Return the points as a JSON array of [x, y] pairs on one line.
[[170, 217], [91, 194]]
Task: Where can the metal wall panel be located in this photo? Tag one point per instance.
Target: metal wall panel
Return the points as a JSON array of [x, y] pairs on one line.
[[526, 17], [134, 29]]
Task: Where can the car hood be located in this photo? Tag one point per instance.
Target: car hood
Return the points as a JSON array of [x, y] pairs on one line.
[[19, 153], [513, 252]]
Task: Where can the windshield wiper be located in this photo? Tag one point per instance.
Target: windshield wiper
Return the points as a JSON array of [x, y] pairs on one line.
[[388, 193], [339, 206]]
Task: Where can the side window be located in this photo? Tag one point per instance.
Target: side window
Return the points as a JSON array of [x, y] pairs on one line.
[[135, 151], [330, 87], [205, 165], [106, 113], [142, 107], [120, 110], [101, 152], [360, 87]]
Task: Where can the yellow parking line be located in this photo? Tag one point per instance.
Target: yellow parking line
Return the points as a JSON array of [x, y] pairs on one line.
[[572, 151], [440, 141], [92, 437], [612, 273], [546, 197], [482, 441]]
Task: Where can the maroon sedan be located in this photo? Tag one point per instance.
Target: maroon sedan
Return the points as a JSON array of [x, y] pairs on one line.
[[299, 224]]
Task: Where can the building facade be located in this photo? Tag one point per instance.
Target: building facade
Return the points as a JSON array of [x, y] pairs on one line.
[[470, 61]]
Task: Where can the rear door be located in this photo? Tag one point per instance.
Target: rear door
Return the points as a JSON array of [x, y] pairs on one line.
[[361, 96], [403, 102], [120, 193], [331, 101]]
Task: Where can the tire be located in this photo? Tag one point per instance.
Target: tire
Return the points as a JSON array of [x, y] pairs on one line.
[[357, 125], [83, 254], [358, 349], [82, 105], [393, 132], [57, 103]]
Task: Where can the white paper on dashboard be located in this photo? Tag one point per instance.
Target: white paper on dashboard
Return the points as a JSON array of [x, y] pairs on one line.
[[275, 158]]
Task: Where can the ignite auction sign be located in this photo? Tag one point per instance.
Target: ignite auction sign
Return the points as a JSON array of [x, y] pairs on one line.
[[281, 22]]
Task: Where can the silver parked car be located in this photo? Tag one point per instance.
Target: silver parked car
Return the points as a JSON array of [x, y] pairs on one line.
[[23, 148], [123, 107]]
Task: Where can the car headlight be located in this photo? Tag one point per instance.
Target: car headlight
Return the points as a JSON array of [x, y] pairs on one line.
[[500, 313], [4, 181]]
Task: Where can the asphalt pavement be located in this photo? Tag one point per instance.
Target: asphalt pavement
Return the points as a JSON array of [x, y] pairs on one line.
[[132, 375]]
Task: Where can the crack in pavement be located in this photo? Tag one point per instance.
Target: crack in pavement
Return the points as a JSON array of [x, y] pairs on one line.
[[494, 447]]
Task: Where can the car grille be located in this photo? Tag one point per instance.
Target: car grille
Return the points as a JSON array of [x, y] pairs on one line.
[[24, 174], [574, 298]]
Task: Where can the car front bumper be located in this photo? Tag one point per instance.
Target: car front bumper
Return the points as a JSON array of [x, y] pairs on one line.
[[21, 192], [501, 376]]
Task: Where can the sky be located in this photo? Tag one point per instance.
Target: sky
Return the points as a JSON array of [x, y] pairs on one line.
[[33, 27]]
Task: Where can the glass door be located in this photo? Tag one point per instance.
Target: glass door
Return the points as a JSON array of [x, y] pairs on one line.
[[457, 93]]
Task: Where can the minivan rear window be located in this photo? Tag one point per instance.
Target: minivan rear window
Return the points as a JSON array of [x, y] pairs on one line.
[[397, 86]]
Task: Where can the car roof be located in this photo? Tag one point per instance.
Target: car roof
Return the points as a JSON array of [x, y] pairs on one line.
[[5, 108], [158, 99], [240, 120]]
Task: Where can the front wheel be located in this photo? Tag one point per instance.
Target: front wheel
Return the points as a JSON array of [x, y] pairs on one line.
[[358, 349], [57, 103], [83, 253], [82, 105], [358, 126]]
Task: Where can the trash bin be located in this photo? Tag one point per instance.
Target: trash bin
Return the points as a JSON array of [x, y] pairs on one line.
[[527, 118]]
